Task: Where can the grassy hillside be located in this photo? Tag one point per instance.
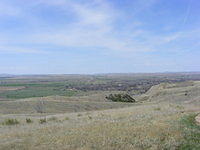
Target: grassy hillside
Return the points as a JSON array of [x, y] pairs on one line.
[[161, 119], [52, 107], [150, 126], [184, 92]]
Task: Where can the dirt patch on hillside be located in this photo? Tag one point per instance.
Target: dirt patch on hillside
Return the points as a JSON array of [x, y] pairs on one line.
[[10, 88], [197, 119]]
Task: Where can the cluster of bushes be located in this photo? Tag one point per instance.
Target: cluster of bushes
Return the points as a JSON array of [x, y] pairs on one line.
[[139, 84], [28, 120], [42, 121], [120, 98], [10, 122], [15, 121], [114, 86]]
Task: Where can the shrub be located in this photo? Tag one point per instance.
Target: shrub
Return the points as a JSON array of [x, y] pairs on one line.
[[157, 109], [28, 120], [79, 115], [53, 119], [44, 120], [66, 118], [10, 122], [120, 98]]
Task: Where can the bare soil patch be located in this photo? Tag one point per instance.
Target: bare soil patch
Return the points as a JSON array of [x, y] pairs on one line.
[[10, 88], [197, 119]]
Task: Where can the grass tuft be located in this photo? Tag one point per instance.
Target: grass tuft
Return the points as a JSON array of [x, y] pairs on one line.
[[28, 120], [53, 119], [79, 115], [66, 118], [157, 109], [42, 121]]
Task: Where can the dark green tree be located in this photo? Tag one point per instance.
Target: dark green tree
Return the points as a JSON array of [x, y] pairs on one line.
[[120, 98]]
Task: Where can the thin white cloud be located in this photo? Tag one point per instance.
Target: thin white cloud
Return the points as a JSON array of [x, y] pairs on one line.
[[94, 26], [187, 12], [9, 49], [8, 10]]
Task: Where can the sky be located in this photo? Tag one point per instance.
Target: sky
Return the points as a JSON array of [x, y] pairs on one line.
[[99, 36]]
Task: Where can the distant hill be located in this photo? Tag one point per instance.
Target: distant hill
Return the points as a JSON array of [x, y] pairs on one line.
[[187, 92], [6, 75]]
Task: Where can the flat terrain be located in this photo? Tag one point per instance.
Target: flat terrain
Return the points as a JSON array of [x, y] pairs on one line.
[[10, 88], [163, 116]]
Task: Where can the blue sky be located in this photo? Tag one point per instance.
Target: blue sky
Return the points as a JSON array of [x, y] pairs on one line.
[[99, 36]]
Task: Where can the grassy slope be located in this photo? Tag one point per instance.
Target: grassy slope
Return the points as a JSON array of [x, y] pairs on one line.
[[137, 127], [179, 92], [52, 107]]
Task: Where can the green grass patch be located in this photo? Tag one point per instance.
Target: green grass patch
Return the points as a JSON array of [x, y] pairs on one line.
[[37, 92], [191, 133]]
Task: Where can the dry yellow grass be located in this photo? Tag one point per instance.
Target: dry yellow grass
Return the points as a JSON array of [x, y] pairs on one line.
[[177, 93], [138, 127]]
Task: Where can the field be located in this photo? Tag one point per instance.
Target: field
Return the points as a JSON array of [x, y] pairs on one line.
[[71, 112]]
